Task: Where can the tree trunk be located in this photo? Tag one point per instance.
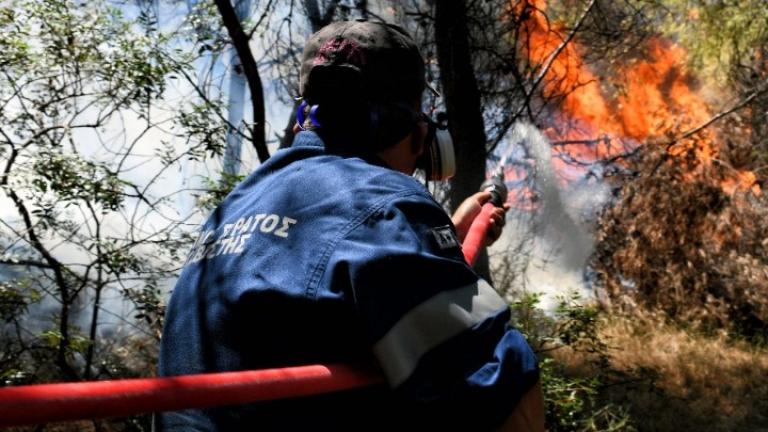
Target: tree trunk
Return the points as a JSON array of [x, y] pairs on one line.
[[236, 104], [251, 71], [462, 100]]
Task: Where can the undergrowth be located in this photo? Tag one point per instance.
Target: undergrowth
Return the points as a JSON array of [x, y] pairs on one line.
[[604, 370]]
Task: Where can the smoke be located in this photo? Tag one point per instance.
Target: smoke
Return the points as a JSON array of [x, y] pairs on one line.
[[557, 227]]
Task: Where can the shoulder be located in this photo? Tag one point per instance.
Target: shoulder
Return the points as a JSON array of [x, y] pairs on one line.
[[361, 190], [405, 223], [381, 180]]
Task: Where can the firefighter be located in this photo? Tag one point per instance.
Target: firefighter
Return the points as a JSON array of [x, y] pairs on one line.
[[332, 251]]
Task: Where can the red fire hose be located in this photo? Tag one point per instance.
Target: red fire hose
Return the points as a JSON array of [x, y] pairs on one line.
[[475, 238], [45, 403]]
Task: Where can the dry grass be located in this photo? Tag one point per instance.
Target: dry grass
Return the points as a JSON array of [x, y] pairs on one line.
[[697, 383]]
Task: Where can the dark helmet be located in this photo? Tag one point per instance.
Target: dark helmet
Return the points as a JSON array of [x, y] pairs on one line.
[[375, 62]]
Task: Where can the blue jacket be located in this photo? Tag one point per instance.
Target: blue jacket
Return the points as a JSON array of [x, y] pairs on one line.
[[321, 257]]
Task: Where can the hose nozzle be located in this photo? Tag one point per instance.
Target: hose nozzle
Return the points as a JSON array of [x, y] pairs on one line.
[[495, 185]]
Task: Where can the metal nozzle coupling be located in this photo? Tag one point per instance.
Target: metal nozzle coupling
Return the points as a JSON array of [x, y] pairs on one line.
[[495, 185]]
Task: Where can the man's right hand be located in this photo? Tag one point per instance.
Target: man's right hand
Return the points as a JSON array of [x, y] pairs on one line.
[[469, 209]]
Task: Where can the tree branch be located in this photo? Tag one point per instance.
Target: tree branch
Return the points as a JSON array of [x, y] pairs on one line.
[[261, 19], [25, 263], [759, 91], [251, 71], [555, 54], [54, 265], [720, 115]]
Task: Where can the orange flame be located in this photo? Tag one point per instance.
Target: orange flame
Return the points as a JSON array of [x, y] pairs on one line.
[[655, 98]]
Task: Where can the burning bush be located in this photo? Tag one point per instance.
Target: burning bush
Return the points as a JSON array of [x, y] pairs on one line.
[[680, 240]]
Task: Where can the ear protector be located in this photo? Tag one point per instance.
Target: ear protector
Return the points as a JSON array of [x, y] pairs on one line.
[[439, 158]]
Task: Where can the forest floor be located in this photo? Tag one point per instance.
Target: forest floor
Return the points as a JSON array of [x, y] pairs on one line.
[[680, 380]]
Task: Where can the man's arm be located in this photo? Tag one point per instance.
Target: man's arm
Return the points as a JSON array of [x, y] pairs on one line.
[[440, 333]]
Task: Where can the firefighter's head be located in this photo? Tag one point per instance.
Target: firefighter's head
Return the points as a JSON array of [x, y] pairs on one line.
[[365, 80]]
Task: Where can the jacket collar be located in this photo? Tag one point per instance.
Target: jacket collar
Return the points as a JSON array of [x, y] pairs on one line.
[[344, 147]]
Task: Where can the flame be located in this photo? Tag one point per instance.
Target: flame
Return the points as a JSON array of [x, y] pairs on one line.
[[655, 98]]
